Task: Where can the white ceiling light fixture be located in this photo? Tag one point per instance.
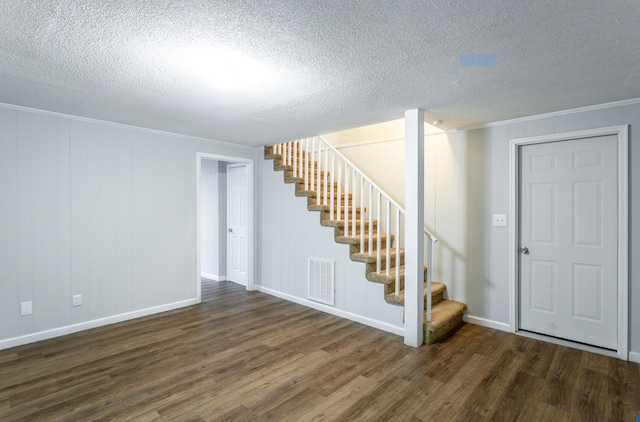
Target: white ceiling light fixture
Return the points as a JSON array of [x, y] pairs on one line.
[[225, 69]]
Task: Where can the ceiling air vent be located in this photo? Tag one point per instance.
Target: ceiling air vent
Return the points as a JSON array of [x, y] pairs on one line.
[[321, 281]]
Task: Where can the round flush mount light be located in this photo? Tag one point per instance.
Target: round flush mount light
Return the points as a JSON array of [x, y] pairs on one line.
[[437, 122], [225, 69]]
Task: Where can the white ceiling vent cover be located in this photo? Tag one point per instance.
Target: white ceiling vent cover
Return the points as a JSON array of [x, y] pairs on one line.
[[321, 281]]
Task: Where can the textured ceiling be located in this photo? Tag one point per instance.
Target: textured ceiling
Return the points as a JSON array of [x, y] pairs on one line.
[[330, 64]]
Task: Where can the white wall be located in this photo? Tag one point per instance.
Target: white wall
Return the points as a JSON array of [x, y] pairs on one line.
[[489, 194], [290, 234], [95, 209], [467, 180]]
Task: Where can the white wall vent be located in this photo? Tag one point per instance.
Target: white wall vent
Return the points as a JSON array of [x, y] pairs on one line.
[[321, 281]]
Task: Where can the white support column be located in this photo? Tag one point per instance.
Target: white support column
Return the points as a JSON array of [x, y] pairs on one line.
[[414, 227]]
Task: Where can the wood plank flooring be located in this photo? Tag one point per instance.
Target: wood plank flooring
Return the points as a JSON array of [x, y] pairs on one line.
[[247, 356]]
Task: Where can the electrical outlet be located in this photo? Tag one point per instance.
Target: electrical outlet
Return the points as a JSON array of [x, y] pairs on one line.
[[77, 300], [26, 308], [499, 220]]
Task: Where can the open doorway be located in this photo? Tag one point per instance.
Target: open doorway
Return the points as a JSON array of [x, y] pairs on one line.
[[215, 260]]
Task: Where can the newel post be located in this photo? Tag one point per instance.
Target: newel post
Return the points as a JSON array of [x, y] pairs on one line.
[[414, 227]]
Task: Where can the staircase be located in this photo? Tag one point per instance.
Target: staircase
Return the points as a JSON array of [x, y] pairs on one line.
[[344, 201]]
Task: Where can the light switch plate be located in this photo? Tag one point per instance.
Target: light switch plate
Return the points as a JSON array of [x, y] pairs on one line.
[[26, 308], [499, 220]]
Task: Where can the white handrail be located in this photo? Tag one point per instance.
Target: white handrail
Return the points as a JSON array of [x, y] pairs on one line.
[[337, 184]]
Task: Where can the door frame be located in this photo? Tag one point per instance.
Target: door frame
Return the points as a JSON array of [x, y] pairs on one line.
[[621, 132], [250, 216]]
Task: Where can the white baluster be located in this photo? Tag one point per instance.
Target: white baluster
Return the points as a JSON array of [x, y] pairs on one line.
[[311, 163], [300, 158], [338, 215], [397, 244], [319, 169], [289, 152], [326, 175], [378, 252], [293, 157], [430, 270], [332, 199], [371, 215], [304, 163], [388, 244], [307, 165], [285, 153], [362, 214], [346, 195]]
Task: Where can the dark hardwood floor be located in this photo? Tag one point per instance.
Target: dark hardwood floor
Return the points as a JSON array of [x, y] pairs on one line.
[[247, 356]]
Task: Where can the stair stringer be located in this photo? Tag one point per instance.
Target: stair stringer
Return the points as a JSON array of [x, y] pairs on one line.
[[446, 314]]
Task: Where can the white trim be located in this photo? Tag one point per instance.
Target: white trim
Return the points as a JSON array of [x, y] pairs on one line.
[[568, 343], [251, 229], [623, 242], [70, 329], [512, 254], [496, 325], [368, 142], [213, 277], [621, 131], [381, 140], [394, 329], [120, 125], [621, 103], [416, 311], [634, 357]]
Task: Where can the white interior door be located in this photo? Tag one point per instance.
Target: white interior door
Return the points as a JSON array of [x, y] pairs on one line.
[[237, 220], [569, 240]]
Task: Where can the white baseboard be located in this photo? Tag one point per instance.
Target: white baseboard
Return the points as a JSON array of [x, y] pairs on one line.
[[70, 329], [487, 323], [567, 343], [213, 277], [633, 356], [394, 329]]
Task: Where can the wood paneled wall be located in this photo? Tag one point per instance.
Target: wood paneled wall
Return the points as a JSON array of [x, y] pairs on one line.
[[95, 209]]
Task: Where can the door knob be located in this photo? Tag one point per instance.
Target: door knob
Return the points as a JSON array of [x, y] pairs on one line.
[[230, 230], [524, 250]]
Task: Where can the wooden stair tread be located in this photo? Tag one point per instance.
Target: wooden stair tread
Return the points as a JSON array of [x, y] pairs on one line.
[[327, 208], [371, 259], [300, 180], [398, 299], [340, 224], [445, 316], [391, 278], [353, 240], [287, 167], [312, 194]]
